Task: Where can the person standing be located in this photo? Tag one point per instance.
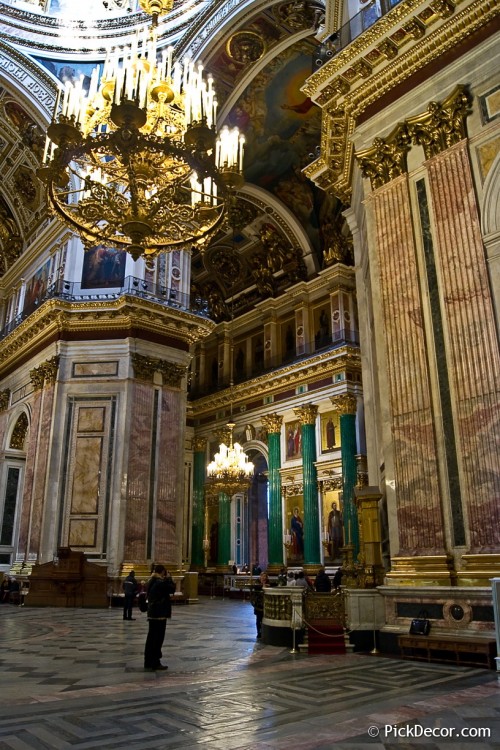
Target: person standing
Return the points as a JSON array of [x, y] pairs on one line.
[[159, 588], [129, 590]]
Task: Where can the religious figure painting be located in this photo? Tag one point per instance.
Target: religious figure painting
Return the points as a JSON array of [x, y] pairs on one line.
[[37, 286], [330, 432], [293, 440], [103, 267]]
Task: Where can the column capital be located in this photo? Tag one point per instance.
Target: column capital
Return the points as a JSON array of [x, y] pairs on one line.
[[45, 373], [199, 444], [346, 403], [306, 414], [443, 124], [4, 399], [272, 422]]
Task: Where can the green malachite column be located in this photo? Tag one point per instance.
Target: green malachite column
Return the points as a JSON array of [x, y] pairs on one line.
[[272, 423], [346, 404], [312, 545], [198, 526], [224, 546]]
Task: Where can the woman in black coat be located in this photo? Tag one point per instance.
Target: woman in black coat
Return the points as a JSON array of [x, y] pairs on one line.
[[159, 588]]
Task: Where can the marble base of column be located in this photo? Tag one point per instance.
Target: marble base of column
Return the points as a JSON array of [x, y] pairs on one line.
[[426, 570], [478, 570]]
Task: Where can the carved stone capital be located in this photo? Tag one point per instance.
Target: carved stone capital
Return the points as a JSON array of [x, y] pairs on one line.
[[307, 414], [386, 159], [145, 368], [272, 422], [46, 372], [443, 124], [199, 444], [346, 403], [4, 399]]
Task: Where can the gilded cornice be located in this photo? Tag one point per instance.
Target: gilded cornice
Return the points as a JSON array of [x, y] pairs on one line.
[[272, 422], [325, 364], [57, 317], [344, 93], [346, 403], [307, 414]]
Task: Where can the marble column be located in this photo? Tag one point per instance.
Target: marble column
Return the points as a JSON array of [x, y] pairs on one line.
[[198, 513], [312, 544], [346, 405], [224, 540], [472, 346], [272, 423]]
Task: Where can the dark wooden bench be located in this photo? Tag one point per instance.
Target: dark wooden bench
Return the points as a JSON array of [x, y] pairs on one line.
[[463, 649]]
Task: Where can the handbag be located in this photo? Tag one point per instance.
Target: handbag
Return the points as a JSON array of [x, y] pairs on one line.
[[420, 625]]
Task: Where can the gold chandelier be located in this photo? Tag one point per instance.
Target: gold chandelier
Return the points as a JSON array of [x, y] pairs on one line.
[[134, 162], [230, 471]]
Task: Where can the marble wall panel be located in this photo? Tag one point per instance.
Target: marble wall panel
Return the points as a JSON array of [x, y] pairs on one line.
[[90, 419], [472, 342], [82, 532], [86, 475], [420, 524], [31, 454], [138, 470]]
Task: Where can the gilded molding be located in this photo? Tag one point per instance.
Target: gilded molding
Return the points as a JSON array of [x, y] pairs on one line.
[[386, 159], [442, 125], [272, 422], [307, 414], [4, 399], [346, 403], [199, 444], [325, 364], [56, 316], [452, 28], [45, 373], [293, 489]]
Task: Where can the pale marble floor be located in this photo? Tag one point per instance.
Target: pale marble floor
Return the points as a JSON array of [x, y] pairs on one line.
[[74, 679]]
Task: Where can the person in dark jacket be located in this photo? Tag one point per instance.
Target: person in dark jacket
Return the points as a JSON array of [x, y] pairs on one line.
[[160, 586], [257, 601], [129, 590], [322, 582]]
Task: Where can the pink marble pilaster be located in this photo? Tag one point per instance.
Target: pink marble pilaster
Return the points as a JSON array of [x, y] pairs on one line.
[[471, 341], [40, 474], [139, 470], [29, 474], [170, 482], [418, 494]]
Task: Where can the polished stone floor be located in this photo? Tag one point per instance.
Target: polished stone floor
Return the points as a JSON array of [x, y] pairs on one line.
[[72, 678]]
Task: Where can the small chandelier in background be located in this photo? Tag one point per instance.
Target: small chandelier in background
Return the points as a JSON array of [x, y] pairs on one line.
[[135, 162], [230, 471]]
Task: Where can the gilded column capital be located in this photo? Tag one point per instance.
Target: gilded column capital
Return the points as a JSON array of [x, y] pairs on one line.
[[46, 372], [443, 124], [272, 422], [199, 444], [223, 435], [386, 159], [145, 368], [307, 414], [347, 403], [4, 399]]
